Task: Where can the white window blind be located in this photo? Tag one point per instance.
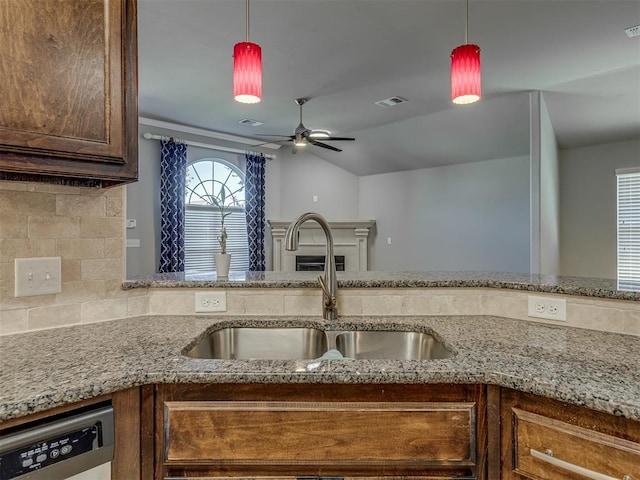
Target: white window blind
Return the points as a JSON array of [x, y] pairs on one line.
[[211, 182], [628, 229], [202, 224]]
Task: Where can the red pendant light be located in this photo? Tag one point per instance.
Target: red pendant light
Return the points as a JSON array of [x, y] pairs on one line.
[[466, 73], [247, 70]]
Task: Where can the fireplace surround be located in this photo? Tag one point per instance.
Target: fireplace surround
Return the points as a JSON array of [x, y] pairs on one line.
[[350, 239]]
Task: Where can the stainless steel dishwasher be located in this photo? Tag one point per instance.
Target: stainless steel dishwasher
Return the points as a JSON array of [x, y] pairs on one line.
[[60, 447]]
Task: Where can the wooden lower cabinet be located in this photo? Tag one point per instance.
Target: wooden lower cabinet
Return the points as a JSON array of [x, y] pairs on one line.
[[310, 431], [544, 439]]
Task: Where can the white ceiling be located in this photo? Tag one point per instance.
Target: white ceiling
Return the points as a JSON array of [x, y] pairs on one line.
[[346, 54]]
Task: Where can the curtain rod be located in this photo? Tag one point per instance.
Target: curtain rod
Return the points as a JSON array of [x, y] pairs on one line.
[[151, 136]]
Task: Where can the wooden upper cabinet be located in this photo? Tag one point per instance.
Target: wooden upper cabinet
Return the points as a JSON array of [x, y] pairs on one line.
[[68, 90]]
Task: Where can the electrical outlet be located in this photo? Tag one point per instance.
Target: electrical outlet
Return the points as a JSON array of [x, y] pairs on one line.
[[547, 307], [211, 302]]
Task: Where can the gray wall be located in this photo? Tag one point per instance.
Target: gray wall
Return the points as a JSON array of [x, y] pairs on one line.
[[464, 217], [143, 197], [588, 232], [545, 190], [472, 216], [143, 205], [303, 176]]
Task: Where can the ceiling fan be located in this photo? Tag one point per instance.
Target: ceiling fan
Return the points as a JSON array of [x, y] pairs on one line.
[[303, 136]]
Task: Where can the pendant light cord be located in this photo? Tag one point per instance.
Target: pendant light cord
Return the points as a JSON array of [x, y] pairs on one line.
[[466, 25], [248, 20]]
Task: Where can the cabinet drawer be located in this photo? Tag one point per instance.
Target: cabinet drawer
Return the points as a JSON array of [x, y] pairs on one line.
[[411, 434], [546, 448]]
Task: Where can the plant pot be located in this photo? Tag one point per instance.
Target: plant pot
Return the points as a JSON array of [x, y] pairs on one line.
[[222, 261]]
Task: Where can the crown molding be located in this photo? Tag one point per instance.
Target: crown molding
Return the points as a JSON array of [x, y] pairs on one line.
[[203, 132]]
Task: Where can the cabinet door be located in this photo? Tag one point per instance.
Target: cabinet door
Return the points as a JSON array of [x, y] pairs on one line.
[[547, 440], [68, 88], [320, 431], [550, 449], [321, 434]]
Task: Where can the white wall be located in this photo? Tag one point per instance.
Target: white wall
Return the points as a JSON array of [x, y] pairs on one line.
[[472, 216], [588, 233]]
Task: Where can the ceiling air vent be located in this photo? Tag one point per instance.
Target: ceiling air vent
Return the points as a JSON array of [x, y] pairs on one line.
[[633, 31], [250, 122], [390, 102]]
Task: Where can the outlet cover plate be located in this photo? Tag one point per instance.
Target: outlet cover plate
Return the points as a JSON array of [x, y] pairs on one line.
[[550, 308], [38, 276], [211, 302]]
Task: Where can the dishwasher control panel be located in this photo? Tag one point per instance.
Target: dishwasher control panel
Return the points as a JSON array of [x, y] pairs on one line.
[[42, 454], [63, 446]]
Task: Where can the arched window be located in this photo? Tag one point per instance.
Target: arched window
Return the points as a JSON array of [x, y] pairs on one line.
[[206, 179]]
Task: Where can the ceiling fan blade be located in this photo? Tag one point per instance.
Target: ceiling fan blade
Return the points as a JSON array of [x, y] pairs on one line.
[[323, 145], [337, 138]]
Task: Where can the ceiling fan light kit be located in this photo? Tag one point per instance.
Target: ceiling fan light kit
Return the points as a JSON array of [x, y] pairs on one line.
[[466, 74], [247, 70], [300, 141]]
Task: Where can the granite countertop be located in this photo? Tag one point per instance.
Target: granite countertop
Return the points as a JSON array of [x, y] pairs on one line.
[[44, 369], [589, 287]]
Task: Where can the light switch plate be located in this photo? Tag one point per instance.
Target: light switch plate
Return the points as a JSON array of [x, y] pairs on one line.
[[38, 276]]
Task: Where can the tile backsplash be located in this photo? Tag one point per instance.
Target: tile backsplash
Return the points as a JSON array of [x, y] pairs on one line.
[[617, 316], [83, 226], [86, 228]]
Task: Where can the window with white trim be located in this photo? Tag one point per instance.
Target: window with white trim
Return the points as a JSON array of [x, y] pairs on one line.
[[205, 180], [628, 229]]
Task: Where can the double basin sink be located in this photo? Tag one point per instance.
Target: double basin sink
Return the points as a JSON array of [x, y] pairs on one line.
[[304, 343]]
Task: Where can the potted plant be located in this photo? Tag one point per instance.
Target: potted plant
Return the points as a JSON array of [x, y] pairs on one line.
[[222, 259]]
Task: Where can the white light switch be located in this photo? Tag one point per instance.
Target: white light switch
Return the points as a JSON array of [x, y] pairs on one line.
[[131, 223], [133, 242], [38, 276]]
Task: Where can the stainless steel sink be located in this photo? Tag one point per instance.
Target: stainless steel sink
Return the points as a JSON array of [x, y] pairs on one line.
[[261, 343], [363, 344]]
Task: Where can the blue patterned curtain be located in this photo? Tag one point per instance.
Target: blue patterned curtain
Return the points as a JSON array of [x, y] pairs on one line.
[[173, 168], [254, 205]]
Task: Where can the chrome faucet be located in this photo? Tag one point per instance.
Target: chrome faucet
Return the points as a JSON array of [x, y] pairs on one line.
[[329, 283]]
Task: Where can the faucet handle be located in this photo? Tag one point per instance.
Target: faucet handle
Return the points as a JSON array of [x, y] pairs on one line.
[[323, 285], [329, 300]]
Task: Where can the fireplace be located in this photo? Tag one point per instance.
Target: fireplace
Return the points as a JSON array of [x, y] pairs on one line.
[[350, 241], [315, 263]]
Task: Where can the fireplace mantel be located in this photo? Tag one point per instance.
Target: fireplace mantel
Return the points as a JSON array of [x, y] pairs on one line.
[[350, 238]]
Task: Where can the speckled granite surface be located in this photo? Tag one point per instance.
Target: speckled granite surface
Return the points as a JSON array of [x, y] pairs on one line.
[[590, 287], [41, 370]]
